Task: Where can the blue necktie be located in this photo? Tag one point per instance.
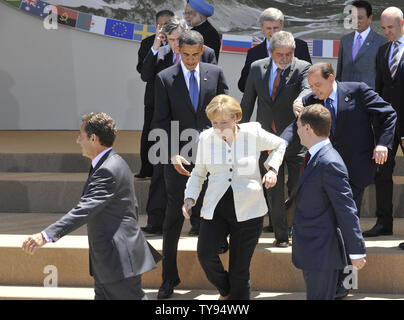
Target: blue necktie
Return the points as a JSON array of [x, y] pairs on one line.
[[331, 108], [193, 90]]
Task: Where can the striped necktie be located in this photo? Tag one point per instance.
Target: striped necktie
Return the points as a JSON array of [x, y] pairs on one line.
[[394, 59]]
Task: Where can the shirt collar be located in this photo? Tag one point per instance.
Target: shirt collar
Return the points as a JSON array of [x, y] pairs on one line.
[[363, 34], [401, 40], [99, 156], [317, 147], [187, 72], [333, 95]]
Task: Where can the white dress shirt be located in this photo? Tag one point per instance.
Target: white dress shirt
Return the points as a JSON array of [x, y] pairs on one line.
[[187, 75], [363, 34], [236, 166]]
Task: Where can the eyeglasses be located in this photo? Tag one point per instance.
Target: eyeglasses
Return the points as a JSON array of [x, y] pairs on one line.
[[189, 13]]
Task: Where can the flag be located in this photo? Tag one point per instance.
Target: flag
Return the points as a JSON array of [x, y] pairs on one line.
[[119, 29], [84, 21], [325, 48], [98, 25], [142, 31], [257, 40], [34, 7], [14, 3], [67, 17], [236, 43]]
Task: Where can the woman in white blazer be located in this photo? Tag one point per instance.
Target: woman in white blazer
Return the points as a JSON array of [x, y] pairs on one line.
[[234, 203]]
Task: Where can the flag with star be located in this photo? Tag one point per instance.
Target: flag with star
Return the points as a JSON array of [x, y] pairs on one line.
[[84, 21], [67, 17], [34, 7], [142, 31], [119, 29]]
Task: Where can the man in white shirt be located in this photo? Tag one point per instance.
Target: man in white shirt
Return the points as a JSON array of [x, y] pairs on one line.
[[358, 50], [325, 210]]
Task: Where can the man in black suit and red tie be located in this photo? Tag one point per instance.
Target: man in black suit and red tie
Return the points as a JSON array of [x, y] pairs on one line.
[[271, 20], [182, 93], [389, 86], [146, 169]]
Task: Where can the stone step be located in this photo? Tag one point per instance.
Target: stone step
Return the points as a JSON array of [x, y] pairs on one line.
[[271, 267], [59, 192], [71, 293]]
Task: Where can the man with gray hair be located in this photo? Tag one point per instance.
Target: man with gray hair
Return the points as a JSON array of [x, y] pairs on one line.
[[278, 81], [271, 21], [158, 59]]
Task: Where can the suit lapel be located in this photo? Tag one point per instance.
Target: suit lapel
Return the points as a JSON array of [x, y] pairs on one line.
[[365, 45], [344, 101], [203, 81], [100, 162], [350, 46], [181, 87]]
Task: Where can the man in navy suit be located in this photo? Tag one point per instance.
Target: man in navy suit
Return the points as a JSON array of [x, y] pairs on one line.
[[182, 93], [355, 108], [325, 216], [271, 21]]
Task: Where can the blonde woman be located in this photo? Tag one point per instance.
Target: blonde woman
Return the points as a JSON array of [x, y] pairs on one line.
[[234, 203]]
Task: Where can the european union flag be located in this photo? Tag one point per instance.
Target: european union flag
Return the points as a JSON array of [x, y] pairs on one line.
[[119, 29], [35, 7]]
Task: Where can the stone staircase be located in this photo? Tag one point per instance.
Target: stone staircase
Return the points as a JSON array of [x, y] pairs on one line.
[[41, 178]]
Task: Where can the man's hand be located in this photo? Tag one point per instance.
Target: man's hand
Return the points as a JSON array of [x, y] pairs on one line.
[[159, 39], [297, 107], [380, 154], [358, 263], [269, 179], [177, 161], [188, 203], [33, 243]]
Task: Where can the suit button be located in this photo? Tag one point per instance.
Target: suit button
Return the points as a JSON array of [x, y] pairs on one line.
[[229, 180], [231, 170], [229, 151]]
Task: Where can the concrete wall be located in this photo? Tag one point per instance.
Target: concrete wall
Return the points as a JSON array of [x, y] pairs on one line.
[[49, 78]]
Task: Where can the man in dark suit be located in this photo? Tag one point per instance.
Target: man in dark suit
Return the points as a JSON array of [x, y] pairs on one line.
[[146, 168], [160, 58], [354, 108], [271, 21], [277, 82], [388, 85], [325, 210], [358, 49], [119, 253], [197, 13], [182, 93], [401, 245]]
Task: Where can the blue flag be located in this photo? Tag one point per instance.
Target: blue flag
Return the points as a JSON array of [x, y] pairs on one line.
[[119, 29], [35, 7]]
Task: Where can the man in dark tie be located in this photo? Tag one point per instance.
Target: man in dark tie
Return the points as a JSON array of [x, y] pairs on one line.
[[355, 108], [182, 93], [271, 21], [277, 82], [389, 86], [159, 58], [358, 49], [119, 253], [325, 210], [146, 168]]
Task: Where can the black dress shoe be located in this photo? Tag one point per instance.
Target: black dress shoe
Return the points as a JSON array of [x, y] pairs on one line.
[[378, 230], [193, 232], [224, 247], [167, 289], [341, 293], [281, 244], [141, 176], [152, 230], [268, 229], [401, 245]]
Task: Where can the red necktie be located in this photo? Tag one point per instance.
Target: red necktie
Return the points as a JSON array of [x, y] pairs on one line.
[[276, 82], [305, 161]]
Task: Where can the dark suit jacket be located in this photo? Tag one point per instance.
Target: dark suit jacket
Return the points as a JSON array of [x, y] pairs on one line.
[[363, 68], [260, 52], [325, 225], [173, 103], [401, 111], [211, 37], [153, 64], [354, 139], [109, 207], [144, 49]]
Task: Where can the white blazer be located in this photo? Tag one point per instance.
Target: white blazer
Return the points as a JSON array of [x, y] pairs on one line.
[[236, 166]]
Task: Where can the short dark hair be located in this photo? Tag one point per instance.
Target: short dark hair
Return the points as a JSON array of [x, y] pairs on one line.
[[318, 117], [325, 68], [190, 37], [102, 125], [364, 5], [164, 13]]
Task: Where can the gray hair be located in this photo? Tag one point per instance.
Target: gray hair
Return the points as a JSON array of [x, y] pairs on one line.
[[271, 14], [282, 39], [173, 24], [191, 37]]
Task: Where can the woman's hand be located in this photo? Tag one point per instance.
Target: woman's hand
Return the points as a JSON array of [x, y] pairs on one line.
[[270, 179], [188, 204]]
